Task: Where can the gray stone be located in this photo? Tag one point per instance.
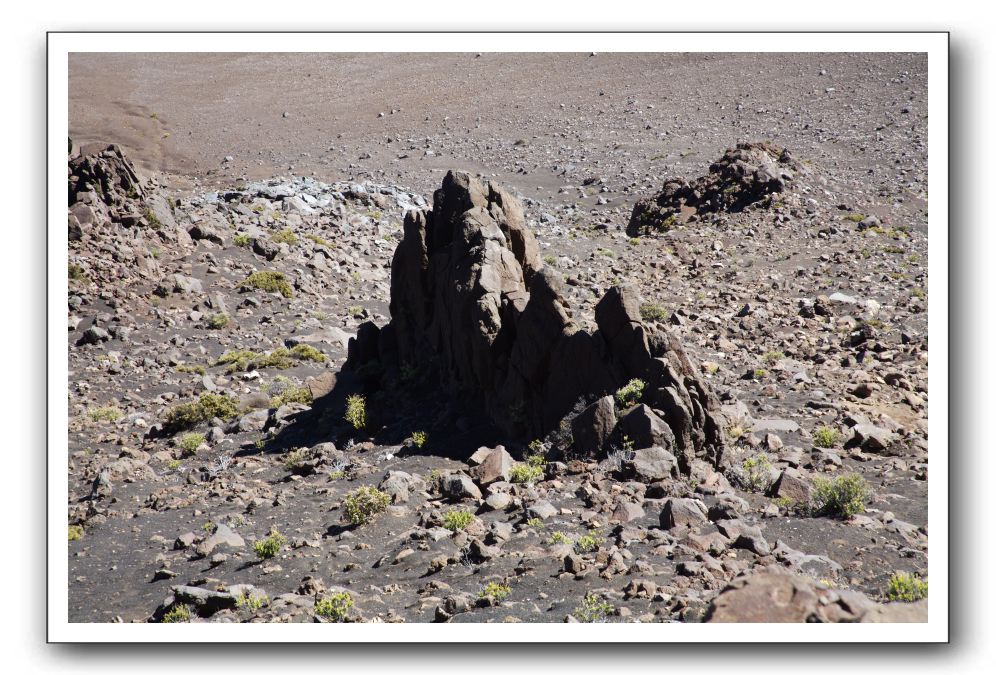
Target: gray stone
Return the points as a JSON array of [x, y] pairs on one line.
[[683, 513], [459, 486]]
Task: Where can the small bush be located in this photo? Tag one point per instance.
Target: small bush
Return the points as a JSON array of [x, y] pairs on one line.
[[242, 240], [588, 543], [304, 352], [105, 413], [187, 368], [651, 311], [843, 496], [295, 459], [284, 236], [496, 592], [318, 240], [457, 520], [536, 523], [218, 321], [177, 614], [271, 282], [334, 606], [593, 610], [190, 442], [905, 587], [560, 538], [292, 394], [75, 532], [526, 473], [251, 601], [76, 273], [207, 407], [364, 503], [825, 437], [356, 411], [418, 439], [631, 394], [757, 473], [270, 546], [772, 357]]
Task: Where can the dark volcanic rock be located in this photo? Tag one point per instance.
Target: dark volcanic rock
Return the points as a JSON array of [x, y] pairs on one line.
[[468, 290], [743, 176]]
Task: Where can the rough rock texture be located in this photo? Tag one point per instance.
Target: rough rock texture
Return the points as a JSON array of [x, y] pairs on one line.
[[743, 176], [468, 290], [791, 598]]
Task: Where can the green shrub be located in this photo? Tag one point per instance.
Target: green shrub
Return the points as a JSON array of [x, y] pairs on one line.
[[457, 520], [304, 352], [651, 311], [757, 473], [419, 438], [218, 321], [239, 360], [588, 543], [843, 496], [631, 394], [593, 609], [190, 442], [496, 592], [292, 394], [269, 546], [75, 532], [364, 503], [356, 411], [271, 282], [334, 606], [295, 459], [242, 240], [177, 614], [204, 409], [526, 473], [318, 240], [825, 437], [188, 368], [536, 523], [105, 413], [905, 587], [251, 601], [76, 273], [772, 357], [560, 538], [284, 236]]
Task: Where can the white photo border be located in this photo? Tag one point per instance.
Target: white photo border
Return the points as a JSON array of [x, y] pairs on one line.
[[934, 44]]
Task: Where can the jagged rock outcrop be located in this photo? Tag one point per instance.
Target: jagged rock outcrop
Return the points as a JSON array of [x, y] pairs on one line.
[[470, 293], [743, 176]]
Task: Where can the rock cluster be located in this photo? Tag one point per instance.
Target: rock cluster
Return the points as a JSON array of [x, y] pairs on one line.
[[743, 176], [469, 291]]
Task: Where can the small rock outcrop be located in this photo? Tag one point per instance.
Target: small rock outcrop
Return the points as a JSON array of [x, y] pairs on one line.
[[743, 176], [778, 597], [469, 294]]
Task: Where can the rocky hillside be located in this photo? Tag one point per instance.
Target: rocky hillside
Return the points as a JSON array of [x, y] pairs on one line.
[[298, 401]]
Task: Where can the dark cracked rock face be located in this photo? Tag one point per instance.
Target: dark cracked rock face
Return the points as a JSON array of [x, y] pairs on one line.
[[469, 291]]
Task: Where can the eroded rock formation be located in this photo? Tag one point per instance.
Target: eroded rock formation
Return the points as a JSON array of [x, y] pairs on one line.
[[469, 293], [743, 176]]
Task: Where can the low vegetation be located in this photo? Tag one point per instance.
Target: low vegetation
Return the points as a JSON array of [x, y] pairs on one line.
[[631, 394], [496, 592], [651, 311], [105, 413], [356, 411], [204, 409], [177, 614], [593, 609], [269, 546], [190, 442], [334, 606], [841, 496], [363, 503], [271, 282], [825, 437], [905, 587], [457, 520]]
